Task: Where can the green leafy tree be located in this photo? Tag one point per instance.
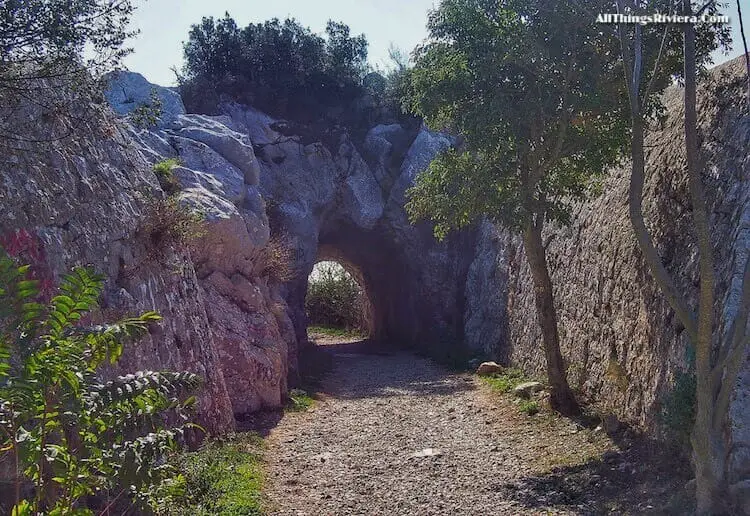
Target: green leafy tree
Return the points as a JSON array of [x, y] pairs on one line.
[[278, 66], [68, 434], [650, 57], [533, 89]]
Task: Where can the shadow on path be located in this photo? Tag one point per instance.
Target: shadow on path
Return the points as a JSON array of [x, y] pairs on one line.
[[381, 372], [637, 479]]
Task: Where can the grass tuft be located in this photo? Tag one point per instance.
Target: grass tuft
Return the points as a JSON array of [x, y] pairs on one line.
[[299, 401], [529, 407], [223, 477], [505, 381], [164, 171]]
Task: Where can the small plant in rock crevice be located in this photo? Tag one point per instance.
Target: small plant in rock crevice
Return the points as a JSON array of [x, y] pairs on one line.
[[169, 225], [276, 260], [164, 171]]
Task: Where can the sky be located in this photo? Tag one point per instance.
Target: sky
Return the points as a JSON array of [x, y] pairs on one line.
[[164, 25]]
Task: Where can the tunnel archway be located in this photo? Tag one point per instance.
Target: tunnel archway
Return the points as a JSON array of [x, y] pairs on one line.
[[337, 297]]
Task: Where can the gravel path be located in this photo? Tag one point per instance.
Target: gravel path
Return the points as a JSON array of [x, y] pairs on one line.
[[397, 434]]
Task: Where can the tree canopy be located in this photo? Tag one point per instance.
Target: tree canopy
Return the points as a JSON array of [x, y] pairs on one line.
[[51, 54], [534, 89], [277, 66]]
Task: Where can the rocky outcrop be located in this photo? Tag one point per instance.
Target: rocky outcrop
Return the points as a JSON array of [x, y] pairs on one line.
[[218, 176], [80, 201], [337, 202], [325, 200]]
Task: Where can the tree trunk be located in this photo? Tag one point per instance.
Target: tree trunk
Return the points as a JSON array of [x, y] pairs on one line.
[[709, 448], [561, 397]]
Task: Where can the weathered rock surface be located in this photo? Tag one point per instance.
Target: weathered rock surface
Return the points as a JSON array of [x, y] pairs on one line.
[[219, 176], [526, 389], [488, 368], [80, 202]]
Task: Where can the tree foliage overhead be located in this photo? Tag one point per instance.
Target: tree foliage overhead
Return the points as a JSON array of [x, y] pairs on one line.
[[534, 90], [278, 66], [51, 54]]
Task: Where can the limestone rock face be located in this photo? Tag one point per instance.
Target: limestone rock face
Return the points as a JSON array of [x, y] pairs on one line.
[[219, 176], [80, 202]]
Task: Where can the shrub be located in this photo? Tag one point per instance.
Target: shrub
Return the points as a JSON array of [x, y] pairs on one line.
[[147, 114], [334, 298], [678, 408], [66, 433], [168, 224], [276, 260], [164, 171]]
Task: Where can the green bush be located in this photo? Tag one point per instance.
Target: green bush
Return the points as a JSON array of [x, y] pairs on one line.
[[334, 299], [66, 434], [222, 478], [678, 408]]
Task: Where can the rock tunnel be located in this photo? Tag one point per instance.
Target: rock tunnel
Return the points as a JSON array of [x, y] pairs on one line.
[[345, 203], [379, 268]]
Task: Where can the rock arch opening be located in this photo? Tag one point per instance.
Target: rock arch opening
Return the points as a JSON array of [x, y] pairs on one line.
[[337, 298]]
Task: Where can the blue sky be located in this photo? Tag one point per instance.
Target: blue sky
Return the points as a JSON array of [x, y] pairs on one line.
[[164, 25]]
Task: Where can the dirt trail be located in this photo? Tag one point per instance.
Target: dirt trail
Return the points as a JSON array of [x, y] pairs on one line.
[[397, 434]]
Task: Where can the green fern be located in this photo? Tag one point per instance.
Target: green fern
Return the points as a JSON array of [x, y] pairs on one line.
[[68, 434]]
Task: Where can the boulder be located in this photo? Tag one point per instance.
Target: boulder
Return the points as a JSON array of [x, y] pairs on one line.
[[526, 389], [488, 368], [127, 91]]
